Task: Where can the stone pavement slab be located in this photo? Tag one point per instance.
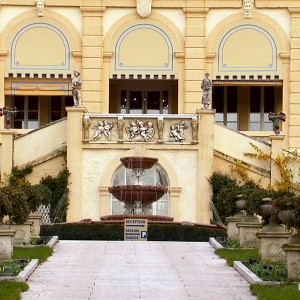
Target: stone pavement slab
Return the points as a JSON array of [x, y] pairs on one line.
[[93, 270]]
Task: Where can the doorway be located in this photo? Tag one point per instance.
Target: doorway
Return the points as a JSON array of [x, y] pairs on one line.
[[143, 96]]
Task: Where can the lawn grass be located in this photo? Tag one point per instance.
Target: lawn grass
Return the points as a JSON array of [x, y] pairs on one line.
[[263, 292], [12, 290], [232, 255], [285, 291], [41, 253]]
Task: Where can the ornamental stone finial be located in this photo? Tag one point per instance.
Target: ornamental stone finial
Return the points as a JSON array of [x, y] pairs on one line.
[[248, 7], [40, 5], [143, 7]]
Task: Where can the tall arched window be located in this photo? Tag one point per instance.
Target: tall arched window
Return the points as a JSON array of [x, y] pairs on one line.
[[154, 176]]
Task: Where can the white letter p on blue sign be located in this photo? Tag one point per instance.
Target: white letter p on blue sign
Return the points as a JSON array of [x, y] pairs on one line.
[[143, 234]]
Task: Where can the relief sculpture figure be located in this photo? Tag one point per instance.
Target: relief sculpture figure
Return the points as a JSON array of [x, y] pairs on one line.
[[177, 131], [140, 128], [103, 128]]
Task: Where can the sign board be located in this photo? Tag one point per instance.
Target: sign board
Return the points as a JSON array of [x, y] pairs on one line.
[[135, 229]]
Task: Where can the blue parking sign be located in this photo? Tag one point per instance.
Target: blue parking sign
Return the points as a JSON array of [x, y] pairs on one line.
[[143, 234]]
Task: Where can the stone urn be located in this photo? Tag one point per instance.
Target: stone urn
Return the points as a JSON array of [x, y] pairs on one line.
[[241, 204], [289, 218]]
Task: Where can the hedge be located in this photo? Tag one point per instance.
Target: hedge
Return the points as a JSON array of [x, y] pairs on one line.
[[115, 232]]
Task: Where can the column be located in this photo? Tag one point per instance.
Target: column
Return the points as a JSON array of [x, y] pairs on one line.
[[205, 163], [92, 53], [7, 137], [75, 164], [194, 56]]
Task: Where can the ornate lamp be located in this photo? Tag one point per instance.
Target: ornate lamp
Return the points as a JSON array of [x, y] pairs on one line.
[[277, 119], [8, 112]]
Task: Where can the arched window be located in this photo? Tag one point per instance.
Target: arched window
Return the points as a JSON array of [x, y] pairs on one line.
[[154, 176]]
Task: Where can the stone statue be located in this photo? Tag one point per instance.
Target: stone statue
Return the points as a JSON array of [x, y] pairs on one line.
[[40, 5], [76, 86], [143, 7], [248, 7], [206, 87]]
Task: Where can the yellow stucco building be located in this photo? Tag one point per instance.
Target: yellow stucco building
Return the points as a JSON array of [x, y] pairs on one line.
[[144, 61]]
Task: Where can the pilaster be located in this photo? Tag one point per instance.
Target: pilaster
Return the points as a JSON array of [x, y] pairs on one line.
[[194, 56], [276, 149], [7, 137], [294, 114], [3, 54], [205, 163], [75, 164], [92, 54], [174, 203]]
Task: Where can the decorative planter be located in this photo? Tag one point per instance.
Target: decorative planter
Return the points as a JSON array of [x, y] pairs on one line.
[[6, 246], [248, 234], [232, 230], [22, 235], [289, 218], [35, 228], [272, 238], [292, 260]]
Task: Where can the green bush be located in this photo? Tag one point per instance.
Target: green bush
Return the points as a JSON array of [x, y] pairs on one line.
[[59, 195], [156, 232]]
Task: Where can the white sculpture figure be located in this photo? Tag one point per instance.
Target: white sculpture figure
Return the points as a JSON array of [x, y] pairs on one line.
[[248, 7], [40, 5], [206, 87], [143, 7], [76, 86]]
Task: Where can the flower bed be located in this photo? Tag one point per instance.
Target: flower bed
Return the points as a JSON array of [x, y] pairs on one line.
[[268, 270], [12, 268]]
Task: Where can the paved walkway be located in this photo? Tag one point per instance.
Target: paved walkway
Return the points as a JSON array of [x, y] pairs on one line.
[[90, 270]]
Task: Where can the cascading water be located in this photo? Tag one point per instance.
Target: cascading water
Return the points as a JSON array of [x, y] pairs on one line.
[[136, 195]]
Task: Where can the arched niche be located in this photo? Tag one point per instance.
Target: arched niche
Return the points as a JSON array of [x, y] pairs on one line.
[[53, 43], [144, 46], [40, 46], [247, 48]]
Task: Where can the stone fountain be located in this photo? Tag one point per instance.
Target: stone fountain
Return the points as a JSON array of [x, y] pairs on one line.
[[137, 196]]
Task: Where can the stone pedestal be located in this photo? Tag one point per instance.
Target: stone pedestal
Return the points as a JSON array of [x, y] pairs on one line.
[[232, 230], [248, 234], [272, 239], [35, 228], [292, 260], [6, 246], [22, 235]]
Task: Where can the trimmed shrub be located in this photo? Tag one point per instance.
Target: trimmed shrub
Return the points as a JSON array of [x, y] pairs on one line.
[[115, 232]]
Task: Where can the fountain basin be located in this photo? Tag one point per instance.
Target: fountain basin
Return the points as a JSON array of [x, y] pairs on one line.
[[138, 162], [144, 193]]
